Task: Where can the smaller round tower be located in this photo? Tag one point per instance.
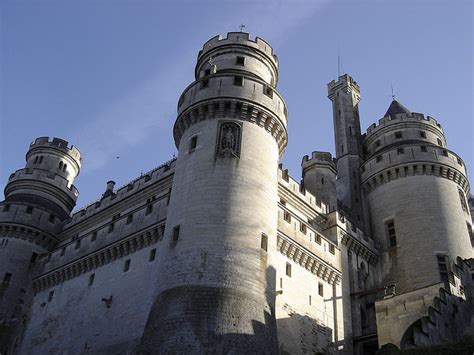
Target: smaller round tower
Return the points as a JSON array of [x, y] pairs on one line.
[[38, 198], [415, 189], [319, 177]]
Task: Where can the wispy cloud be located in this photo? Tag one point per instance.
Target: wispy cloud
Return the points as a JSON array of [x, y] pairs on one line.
[[150, 107]]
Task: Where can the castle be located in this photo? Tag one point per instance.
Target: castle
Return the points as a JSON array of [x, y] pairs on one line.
[[221, 251]]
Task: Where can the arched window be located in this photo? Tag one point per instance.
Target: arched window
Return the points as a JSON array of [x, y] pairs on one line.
[[40, 160], [64, 167], [60, 165]]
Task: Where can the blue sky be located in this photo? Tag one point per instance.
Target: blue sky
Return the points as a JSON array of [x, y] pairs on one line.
[[106, 75]]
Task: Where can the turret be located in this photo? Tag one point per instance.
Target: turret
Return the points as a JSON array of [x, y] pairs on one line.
[[37, 199], [319, 177], [217, 290], [415, 189], [345, 96]]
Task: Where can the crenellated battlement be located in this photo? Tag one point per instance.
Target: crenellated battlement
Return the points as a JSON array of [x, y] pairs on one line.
[[299, 191], [318, 157], [345, 82], [403, 118], [42, 175], [124, 191], [239, 38], [56, 143]]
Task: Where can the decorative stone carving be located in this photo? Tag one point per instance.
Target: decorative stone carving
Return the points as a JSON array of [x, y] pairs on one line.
[[229, 139]]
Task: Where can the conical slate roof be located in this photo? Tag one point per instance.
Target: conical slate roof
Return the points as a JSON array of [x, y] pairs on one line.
[[396, 107]]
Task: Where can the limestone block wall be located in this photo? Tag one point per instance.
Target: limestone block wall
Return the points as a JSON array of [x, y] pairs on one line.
[[428, 219], [217, 258], [105, 315]]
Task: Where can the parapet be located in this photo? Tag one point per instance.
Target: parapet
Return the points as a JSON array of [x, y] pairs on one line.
[[319, 158], [57, 143], [403, 118], [241, 38], [344, 81]]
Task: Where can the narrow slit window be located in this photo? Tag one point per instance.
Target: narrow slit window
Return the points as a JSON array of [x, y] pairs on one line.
[[264, 242], [149, 209], [111, 228], [7, 278], [176, 233], [33, 258], [320, 289], [152, 255], [91, 279], [129, 219], [50, 296], [126, 265], [193, 143], [93, 236], [288, 269], [391, 234]]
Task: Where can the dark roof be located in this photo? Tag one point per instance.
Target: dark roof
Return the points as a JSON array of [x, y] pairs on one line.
[[396, 107]]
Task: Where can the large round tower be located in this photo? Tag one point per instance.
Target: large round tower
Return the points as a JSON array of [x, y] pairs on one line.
[[217, 287], [416, 192], [37, 199]]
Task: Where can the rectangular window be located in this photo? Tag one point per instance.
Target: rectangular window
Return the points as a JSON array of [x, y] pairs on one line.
[[398, 135], [318, 239], [264, 242], [378, 158], [6, 207], [129, 219], [207, 72], [240, 60], [7, 278], [152, 255], [91, 279], [126, 265], [50, 296], [423, 148], [440, 143], [268, 91], [443, 265], [238, 80], [204, 83], [469, 231], [93, 236], [332, 249], [149, 209], [391, 235], [33, 258], [176, 233], [288, 269], [422, 134], [309, 300], [377, 143], [287, 216], [400, 151], [29, 210], [320, 289], [445, 152], [303, 228], [193, 143], [51, 218], [78, 244], [111, 228]]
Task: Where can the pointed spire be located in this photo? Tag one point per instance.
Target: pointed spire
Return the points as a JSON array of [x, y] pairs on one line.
[[396, 107]]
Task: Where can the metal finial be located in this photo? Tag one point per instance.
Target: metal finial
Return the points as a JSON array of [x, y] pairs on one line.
[[241, 27], [393, 93]]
